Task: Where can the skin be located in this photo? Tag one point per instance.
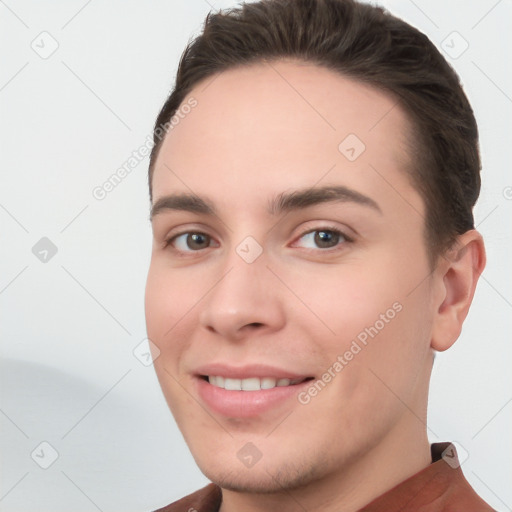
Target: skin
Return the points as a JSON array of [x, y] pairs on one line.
[[258, 132]]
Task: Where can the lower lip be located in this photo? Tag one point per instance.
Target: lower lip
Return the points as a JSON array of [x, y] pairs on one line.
[[246, 404]]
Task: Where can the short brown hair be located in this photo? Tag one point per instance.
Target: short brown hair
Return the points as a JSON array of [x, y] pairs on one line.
[[368, 44]]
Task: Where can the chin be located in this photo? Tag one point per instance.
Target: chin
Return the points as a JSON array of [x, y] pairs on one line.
[[262, 479]]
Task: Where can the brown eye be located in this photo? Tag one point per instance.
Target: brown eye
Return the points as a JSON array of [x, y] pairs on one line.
[[322, 239], [197, 241], [192, 241], [326, 239]]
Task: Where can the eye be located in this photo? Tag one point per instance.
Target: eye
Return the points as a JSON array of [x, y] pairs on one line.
[[321, 239], [191, 241]]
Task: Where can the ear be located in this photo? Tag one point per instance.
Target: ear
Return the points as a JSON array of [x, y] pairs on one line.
[[456, 276]]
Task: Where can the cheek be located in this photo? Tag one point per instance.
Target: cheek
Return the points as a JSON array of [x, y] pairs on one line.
[[167, 302], [346, 299], [382, 368], [401, 351], [380, 324]]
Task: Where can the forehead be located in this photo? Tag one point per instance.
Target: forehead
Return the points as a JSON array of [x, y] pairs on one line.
[[283, 124]]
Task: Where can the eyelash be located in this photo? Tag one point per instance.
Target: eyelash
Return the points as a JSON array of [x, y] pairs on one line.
[[335, 231], [168, 241], [329, 229]]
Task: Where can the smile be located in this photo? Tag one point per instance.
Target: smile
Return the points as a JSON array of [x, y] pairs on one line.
[[238, 396], [252, 383]]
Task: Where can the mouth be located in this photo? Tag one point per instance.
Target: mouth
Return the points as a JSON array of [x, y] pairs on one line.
[[251, 383], [248, 392]]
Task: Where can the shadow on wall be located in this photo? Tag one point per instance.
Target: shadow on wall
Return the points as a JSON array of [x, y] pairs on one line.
[[67, 443]]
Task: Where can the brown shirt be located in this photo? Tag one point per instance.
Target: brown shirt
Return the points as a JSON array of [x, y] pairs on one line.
[[440, 487]]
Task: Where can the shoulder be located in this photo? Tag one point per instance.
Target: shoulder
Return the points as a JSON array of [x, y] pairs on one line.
[[206, 499]]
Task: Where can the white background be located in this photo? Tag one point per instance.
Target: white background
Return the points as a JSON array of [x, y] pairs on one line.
[[69, 326]]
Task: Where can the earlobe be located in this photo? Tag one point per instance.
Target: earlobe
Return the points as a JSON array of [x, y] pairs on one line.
[[457, 274]]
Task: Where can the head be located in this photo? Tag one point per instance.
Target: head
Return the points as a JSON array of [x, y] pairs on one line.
[[370, 46], [312, 217]]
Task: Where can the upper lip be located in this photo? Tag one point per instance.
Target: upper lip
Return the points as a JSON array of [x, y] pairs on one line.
[[247, 371]]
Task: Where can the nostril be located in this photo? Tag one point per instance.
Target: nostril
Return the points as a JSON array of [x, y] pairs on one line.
[[255, 324]]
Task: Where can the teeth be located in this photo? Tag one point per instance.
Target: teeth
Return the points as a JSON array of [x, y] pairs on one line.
[[232, 384], [268, 383], [253, 384], [250, 384]]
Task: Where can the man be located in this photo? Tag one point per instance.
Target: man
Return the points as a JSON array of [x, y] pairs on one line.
[[312, 185]]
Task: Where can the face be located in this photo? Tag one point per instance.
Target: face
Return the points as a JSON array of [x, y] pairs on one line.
[[288, 291]]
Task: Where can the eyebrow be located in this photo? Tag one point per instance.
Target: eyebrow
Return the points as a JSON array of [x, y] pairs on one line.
[[304, 198], [284, 202]]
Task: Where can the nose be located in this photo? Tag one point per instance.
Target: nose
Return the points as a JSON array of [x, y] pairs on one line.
[[245, 300]]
